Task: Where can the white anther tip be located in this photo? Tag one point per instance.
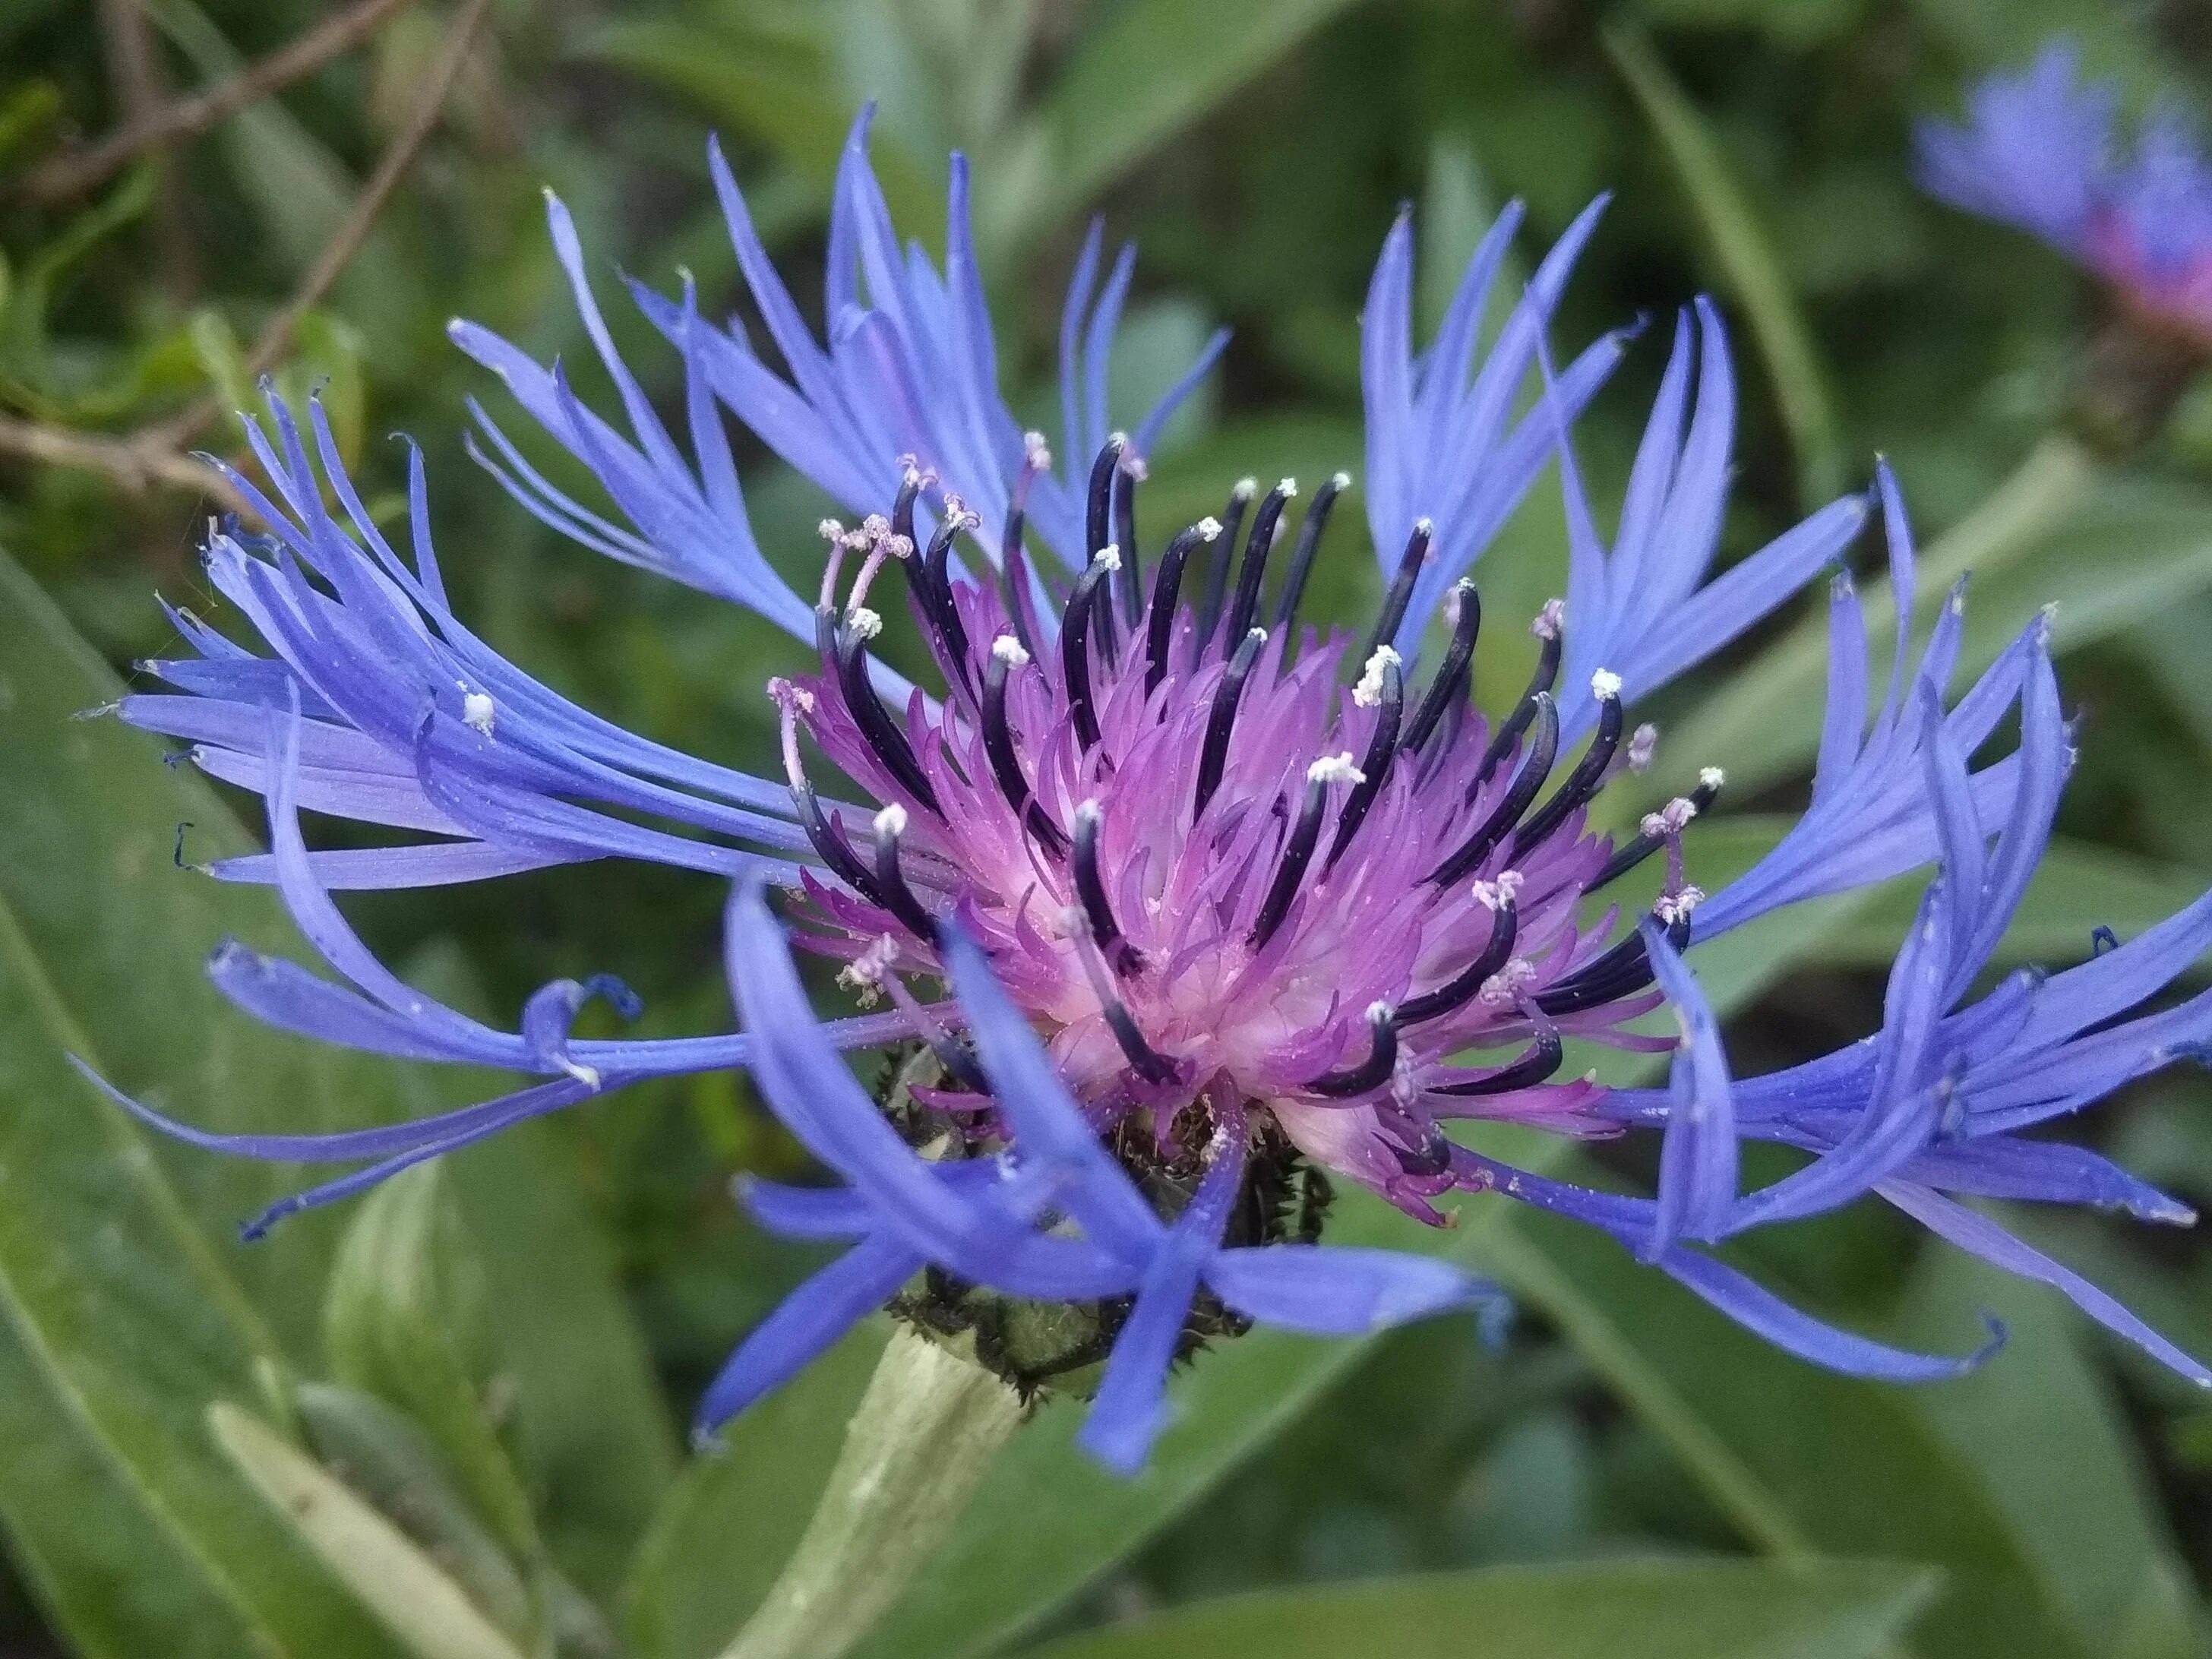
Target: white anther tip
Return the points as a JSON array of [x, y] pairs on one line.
[[864, 622], [1341, 480], [1369, 692], [1287, 487], [1209, 529], [891, 821], [1712, 777], [478, 711], [1605, 684], [1008, 650], [1380, 1012], [1246, 488], [1335, 769], [1110, 556], [1089, 813]]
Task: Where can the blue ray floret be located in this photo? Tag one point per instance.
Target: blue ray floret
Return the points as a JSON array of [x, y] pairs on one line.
[[1228, 909]]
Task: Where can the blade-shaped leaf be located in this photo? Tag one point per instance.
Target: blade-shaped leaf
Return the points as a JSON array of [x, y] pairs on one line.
[[1640, 1610]]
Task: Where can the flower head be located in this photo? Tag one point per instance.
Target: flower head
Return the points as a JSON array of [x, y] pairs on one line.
[[1228, 907], [2039, 150]]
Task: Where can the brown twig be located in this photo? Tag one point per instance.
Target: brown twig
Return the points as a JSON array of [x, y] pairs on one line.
[[74, 172], [141, 91], [346, 240], [132, 463]]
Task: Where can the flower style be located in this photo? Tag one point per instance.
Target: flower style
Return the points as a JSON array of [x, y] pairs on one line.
[[1218, 926], [2038, 150]]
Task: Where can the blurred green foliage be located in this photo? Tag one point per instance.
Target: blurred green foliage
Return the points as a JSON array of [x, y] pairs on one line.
[[495, 1359]]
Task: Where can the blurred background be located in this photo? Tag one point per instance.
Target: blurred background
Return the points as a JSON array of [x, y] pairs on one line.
[[377, 171]]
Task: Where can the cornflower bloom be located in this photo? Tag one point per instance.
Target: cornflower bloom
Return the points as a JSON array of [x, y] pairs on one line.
[[2040, 150], [1230, 907]]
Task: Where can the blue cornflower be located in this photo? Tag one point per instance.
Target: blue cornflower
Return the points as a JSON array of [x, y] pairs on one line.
[[1217, 925], [2039, 150]]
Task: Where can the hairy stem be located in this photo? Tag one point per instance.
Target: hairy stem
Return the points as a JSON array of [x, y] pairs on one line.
[[926, 1430]]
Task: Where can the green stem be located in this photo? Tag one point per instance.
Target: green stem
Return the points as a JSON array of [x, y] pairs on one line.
[[926, 1430]]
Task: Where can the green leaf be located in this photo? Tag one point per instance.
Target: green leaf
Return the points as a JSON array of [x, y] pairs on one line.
[[1747, 260], [1151, 69], [1800, 1460], [401, 1319], [404, 1587], [1641, 1610], [120, 1314], [2043, 1434]]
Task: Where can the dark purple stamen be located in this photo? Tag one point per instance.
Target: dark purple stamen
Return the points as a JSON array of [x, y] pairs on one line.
[[1539, 1060], [827, 839], [1091, 890], [1375, 1071], [1258, 544], [1159, 627], [1297, 853], [909, 491], [1217, 574], [1222, 717], [1125, 538], [1449, 685], [1309, 544], [1540, 683], [875, 722], [1542, 750], [1075, 621], [1401, 588], [1097, 518], [938, 563], [1463, 987], [1621, 971], [891, 877], [1006, 764], [1582, 783], [1432, 1157], [1641, 846], [1374, 765], [1014, 582]]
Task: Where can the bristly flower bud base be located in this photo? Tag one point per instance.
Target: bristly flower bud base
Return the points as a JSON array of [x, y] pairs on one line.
[[1044, 1349]]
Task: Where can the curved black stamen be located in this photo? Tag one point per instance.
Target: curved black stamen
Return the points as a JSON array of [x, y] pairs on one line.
[[1449, 685], [1463, 987], [1641, 846], [1259, 542], [1543, 748], [1159, 625], [1373, 1071], [891, 879], [1006, 766], [1539, 1060], [1096, 520], [1222, 717], [1091, 890], [909, 491], [1374, 765], [829, 840], [1099, 503], [1148, 1062], [959, 1061], [875, 722], [1309, 544], [1583, 782], [1540, 683], [1014, 581], [937, 562], [1297, 853], [1431, 1157], [1075, 649], [1401, 588], [1125, 538], [1217, 575], [1621, 971]]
